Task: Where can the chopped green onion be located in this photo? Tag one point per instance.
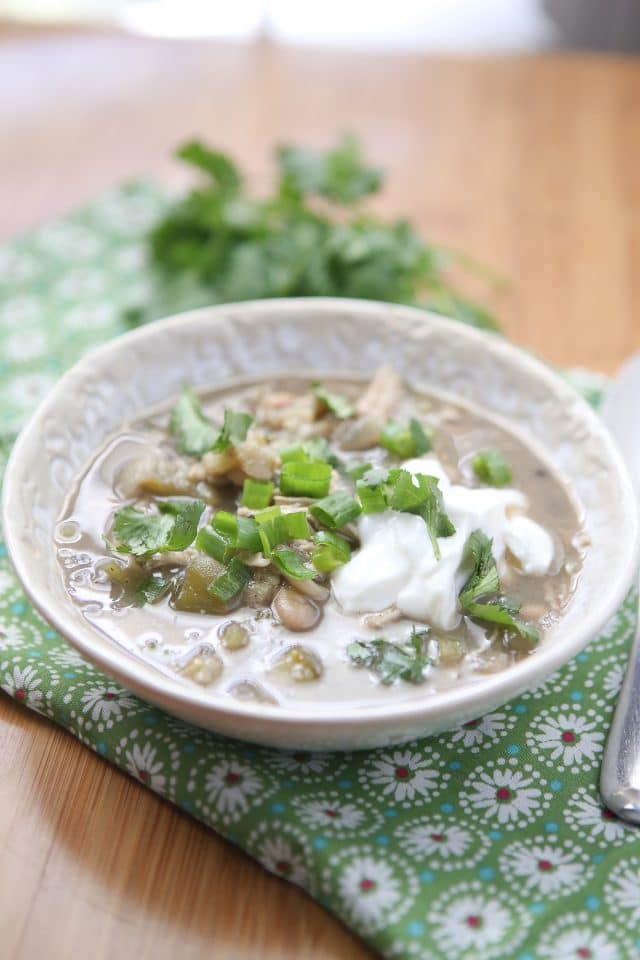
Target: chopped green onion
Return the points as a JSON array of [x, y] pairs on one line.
[[256, 494], [271, 529], [214, 544], [290, 564], [336, 510], [241, 532], [338, 405], [229, 584], [404, 442], [314, 449], [295, 453], [275, 528], [331, 551], [296, 525], [299, 479], [491, 468], [226, 523], [234, 430], [248, 534], [265, 515]]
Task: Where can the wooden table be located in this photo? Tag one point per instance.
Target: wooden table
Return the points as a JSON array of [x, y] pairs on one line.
[[531, 164]]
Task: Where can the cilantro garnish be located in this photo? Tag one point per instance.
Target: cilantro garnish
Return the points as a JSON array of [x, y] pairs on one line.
[[335, 403], [406, 661], [480, 597], [491, 468], [234, 430], [143, 534], [196, 434], [484, 578], [503, 613], [381, 489]]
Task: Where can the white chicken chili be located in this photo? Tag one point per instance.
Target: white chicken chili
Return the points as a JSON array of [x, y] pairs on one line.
[[332, 541]]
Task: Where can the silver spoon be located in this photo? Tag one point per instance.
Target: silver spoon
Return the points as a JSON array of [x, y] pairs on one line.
[[620, 772]]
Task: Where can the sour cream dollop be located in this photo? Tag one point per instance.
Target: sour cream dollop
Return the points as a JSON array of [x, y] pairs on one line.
[[396, 563]]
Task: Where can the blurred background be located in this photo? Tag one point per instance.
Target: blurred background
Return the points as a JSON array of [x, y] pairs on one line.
[[507, 128], [492, 25]]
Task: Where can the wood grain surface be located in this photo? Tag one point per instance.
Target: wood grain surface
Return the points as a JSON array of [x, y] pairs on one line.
[[533, 165]]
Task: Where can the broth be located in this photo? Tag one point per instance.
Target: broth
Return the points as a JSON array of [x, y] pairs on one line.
[[264, 660]]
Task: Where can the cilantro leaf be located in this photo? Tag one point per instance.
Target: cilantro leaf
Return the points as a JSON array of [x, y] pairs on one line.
[[480, 596], [484, 577], [491, 468], [406, 661], [338, 405], [186, 515], [435, 516], [234, 430], [143, 534], [218, 165], [381, 489], [502, 612], [339, 175], [195, 434]]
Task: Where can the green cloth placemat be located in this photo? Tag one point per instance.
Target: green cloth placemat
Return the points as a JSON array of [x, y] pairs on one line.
[[484, 843]]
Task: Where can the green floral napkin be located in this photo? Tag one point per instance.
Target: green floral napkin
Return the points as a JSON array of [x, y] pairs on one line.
[[485, 843]]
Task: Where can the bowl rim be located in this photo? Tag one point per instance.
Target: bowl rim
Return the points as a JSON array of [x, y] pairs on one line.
[[160, 688]]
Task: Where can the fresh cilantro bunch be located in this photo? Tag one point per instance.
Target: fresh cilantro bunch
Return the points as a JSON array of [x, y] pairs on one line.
[[310, 237]]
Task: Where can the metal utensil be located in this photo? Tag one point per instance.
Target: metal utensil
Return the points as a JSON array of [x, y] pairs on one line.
[[620, 772]]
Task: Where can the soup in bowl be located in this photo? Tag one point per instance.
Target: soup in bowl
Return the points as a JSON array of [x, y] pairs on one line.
[[321, 523]]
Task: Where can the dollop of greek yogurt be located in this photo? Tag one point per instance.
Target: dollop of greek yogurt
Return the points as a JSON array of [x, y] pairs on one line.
[[396, 563]]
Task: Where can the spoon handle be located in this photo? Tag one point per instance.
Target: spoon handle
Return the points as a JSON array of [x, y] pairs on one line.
[[620, 773]]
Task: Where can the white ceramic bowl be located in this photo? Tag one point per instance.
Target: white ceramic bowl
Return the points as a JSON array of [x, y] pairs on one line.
[[121, 379]]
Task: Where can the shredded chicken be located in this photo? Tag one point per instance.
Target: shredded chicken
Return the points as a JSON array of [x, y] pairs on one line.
[[256, 457], [214, 466], [382, 395], [160, 476], [374, 407], [287, 411], [375, 621]]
